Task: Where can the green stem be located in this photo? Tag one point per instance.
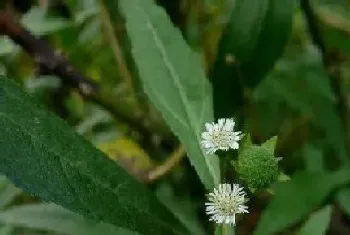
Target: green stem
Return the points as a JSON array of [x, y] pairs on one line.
[[228, 229], [225, 165]]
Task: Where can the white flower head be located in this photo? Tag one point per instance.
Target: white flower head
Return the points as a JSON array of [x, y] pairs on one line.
[[220, 136], [225, 202]]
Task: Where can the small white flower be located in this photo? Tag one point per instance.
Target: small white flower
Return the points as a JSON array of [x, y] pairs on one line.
[[220, 136], [225, 202]]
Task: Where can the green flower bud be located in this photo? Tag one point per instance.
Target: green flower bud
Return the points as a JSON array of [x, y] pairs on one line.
[[257, 167]]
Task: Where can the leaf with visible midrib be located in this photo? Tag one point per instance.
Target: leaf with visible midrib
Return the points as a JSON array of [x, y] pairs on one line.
[[173, 79], [42, 155]]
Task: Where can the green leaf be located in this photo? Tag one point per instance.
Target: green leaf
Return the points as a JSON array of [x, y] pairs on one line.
[[37, 22], [173, 79], [51, 217], [6, 46], [245, 51], [117, 36], [7, 192], [2, 70], [314, 99], [270, 144], [313, 158], [82, 15], [44, 156], [182, 208], [318, 222], [276, 26], [6, 230], [246, 142], [336, 21], [343, 200], [297, 197], [245, 26]]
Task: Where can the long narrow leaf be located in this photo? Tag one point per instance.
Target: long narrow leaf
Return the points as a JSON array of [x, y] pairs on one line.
[[173, 79], [42, 155]]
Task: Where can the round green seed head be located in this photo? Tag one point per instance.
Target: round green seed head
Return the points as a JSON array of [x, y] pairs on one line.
[[257, 167]]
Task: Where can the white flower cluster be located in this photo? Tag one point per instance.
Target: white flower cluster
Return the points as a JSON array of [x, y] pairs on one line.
[[226, 200], [220, 136]]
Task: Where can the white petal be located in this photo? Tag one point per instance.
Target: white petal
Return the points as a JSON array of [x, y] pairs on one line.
[[229, 125], [238, 135], [221, 122], [206, 135], [234, 145], [209, 126]]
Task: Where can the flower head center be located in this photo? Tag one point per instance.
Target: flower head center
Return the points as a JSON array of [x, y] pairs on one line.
[[227, 205], [221, 138]]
